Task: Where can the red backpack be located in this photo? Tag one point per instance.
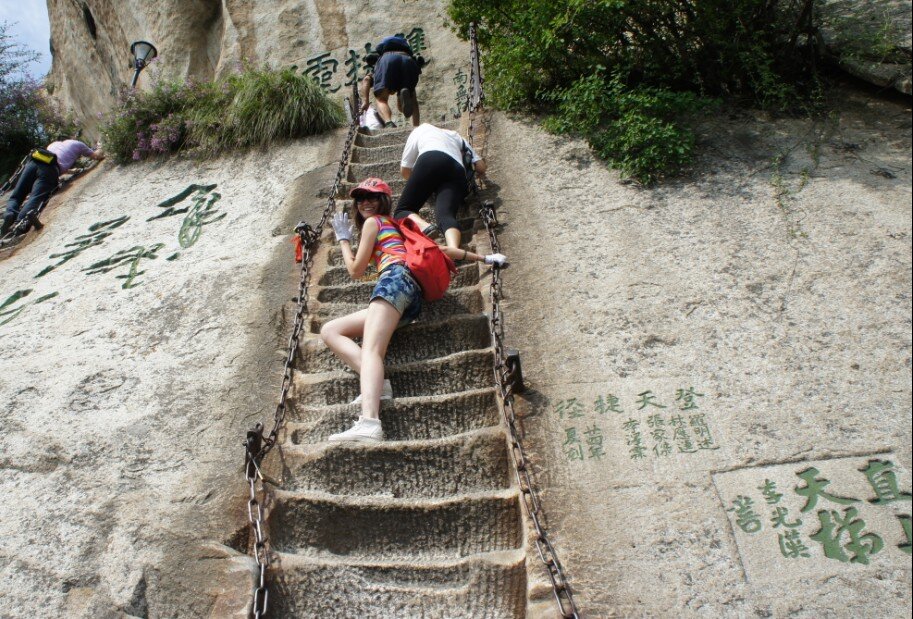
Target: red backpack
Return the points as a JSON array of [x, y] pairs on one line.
[[431, 267]]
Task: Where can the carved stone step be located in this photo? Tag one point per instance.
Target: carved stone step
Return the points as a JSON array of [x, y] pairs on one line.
[[488, 586], [396, 137], [459, 372], [454, 303], [388, 137], [463, 464], [387, 170], [321, 525], [376, 155], [416, 342], [403, 419]]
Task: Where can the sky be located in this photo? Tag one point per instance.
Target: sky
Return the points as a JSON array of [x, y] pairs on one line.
[[28, 24]]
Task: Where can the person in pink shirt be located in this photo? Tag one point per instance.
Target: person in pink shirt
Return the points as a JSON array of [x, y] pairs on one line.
[[39, 178]]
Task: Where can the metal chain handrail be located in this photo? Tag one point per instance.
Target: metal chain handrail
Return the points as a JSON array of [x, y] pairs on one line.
[[257, 446], [476, 94], [15, 175], [505, 375]]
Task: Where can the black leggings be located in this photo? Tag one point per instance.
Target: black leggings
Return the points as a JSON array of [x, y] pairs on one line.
[[434, 172]]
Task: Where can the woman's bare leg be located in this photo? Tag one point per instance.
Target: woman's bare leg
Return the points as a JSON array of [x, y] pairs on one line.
[[338, 333], [379, 326]]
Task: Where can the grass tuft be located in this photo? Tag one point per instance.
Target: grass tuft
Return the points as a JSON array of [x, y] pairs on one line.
[[255, 108]]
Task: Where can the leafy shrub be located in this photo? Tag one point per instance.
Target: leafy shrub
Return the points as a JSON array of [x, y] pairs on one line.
[[626, 74], [643, 146], [252, 108], [637, 130]]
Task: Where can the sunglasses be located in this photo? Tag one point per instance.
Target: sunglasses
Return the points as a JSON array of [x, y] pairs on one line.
[[367, 197]]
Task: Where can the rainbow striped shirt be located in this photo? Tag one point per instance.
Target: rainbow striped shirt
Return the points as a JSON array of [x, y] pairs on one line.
[[389, 238]]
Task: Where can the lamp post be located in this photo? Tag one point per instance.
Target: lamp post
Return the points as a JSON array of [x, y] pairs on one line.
[[143, 53]]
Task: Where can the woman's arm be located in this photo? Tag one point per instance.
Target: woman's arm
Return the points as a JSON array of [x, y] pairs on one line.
[[356, 264]]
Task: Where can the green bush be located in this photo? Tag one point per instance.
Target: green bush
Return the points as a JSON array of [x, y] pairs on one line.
[[28, 118], [627, 74], [637, 130], [253, 108]]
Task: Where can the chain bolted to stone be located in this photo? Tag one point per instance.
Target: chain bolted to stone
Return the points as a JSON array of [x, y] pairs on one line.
[[256, 445], [507, 376]]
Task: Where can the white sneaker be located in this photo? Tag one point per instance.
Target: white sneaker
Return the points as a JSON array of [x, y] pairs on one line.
[[365, 430], [385, 394]]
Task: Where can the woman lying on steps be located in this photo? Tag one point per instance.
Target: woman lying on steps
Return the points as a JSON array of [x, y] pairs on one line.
[[395, 301]]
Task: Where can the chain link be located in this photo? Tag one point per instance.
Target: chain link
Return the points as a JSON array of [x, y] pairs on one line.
[[15, 175], [257, 446], [504, 372]]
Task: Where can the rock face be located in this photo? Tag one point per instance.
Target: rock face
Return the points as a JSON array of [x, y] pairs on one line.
[[703, 357], [870, 40], [204, 39], [143, 348], [709, 363]]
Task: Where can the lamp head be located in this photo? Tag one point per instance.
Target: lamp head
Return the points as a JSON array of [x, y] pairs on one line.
[[143, 53]]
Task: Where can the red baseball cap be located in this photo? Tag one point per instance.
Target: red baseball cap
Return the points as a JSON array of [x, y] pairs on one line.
[[372, 185]]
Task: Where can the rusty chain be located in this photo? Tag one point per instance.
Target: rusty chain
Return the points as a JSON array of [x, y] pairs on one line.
[[257, 446], [15, 175], [505, 375]]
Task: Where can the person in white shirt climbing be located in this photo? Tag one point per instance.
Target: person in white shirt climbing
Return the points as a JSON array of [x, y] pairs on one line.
[[432, 162]]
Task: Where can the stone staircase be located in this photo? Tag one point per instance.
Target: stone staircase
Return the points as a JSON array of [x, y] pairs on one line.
[[427, 523]]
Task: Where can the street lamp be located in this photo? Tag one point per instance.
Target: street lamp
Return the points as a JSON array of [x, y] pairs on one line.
[[143, 53]]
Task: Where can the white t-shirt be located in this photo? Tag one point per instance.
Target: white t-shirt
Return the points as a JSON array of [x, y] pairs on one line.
[[427, 137]]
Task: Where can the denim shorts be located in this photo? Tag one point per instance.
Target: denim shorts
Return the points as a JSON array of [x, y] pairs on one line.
[[397, 287]]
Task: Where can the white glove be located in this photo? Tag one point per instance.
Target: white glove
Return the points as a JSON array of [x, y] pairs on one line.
[[342, 227], [498, 260]]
